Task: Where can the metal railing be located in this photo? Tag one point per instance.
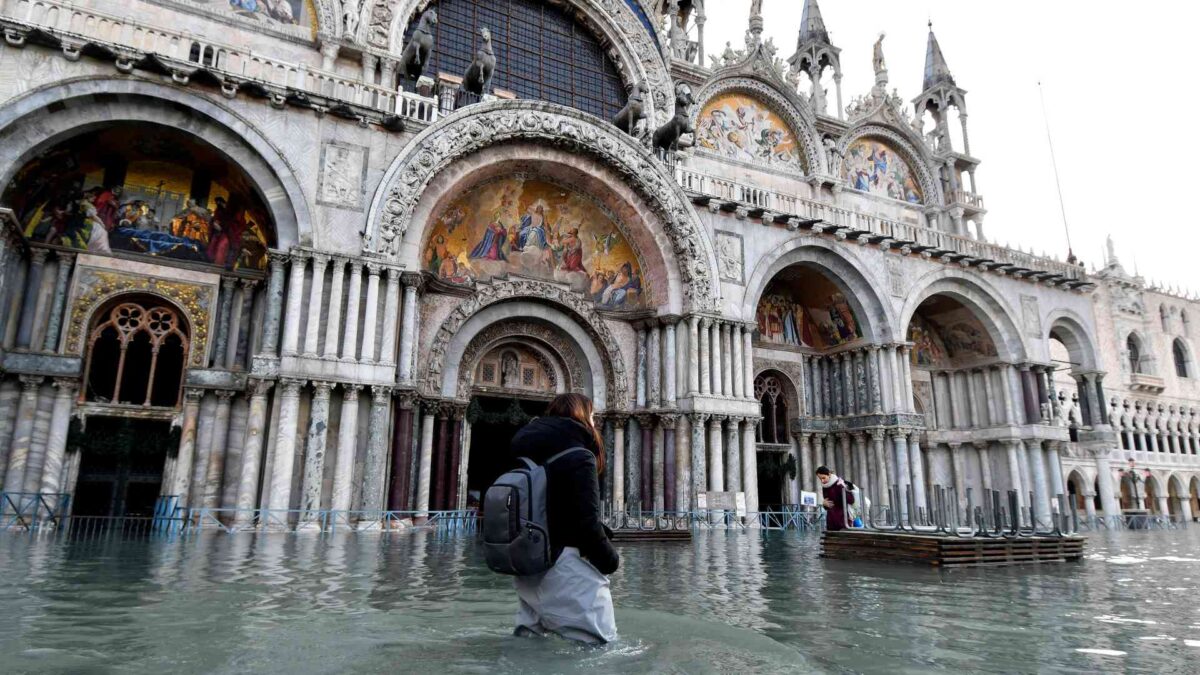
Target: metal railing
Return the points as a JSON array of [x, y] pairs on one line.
[[789, 517], [996, 514]]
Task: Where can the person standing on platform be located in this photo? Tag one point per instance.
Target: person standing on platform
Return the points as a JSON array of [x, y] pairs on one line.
[[836, 498]]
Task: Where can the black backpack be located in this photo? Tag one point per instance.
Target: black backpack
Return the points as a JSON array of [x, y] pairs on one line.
[[516, 534]]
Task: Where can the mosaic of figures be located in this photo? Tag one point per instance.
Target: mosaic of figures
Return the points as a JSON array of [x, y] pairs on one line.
[[161, 196], [806, 312], [958, 341], [535, 229], [279, 11], [739, 127], [875, 167]]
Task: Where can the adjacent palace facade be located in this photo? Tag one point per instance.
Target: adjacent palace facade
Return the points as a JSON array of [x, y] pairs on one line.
[[317, 255]]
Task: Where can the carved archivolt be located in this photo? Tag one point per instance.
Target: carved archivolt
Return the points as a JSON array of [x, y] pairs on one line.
[[94, 288], [524, 331], [581, 307], [640, 59], [481, 125], [784, 103], [930, 186]]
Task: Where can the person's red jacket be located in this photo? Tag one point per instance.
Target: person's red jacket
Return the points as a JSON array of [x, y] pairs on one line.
[[835, 516]]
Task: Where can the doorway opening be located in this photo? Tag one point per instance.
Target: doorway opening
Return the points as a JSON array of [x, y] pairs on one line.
[[775, 468], [494, 421], [121, 466]]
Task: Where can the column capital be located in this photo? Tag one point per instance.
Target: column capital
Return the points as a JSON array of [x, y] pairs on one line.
[[668, 421], [393, 274], [322, 388], [373, 268], [412, 279], [37, 255], [405, 398], [617, 417], [914, 435], [716, 419], [277, 259], [228, 283], [320, 259], [734, 419], [66, 386], [224, 395], [380, 393], [859, 436], [248, 284], [699, 419], [290, 386], [192, 394], [356, 266], [64, 257], [877, 435], [259, 388], [669, 319], [350, 392], [30, 382], [645, 419]]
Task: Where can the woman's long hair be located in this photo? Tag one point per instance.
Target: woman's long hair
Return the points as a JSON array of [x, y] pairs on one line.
[[579, 408]]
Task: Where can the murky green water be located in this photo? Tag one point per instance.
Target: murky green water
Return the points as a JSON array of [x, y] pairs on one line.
[[729, 602]]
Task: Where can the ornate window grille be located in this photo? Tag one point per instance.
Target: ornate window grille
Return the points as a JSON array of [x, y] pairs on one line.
[[136, 355], [773, 404]]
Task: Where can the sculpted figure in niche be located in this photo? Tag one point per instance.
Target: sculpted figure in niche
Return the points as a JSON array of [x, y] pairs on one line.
[[350, 10], [509, 370], [381, 24]]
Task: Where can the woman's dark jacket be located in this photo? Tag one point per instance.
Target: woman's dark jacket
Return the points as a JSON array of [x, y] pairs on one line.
[[573, 492], [835, 517]]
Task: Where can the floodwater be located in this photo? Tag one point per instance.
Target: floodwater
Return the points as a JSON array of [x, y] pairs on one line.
[[731, 602]]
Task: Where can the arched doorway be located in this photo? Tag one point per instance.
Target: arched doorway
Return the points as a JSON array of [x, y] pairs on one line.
[[133, 373], [512, 384]]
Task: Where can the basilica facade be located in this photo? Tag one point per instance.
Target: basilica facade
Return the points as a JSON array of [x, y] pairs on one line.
[[274, 259]]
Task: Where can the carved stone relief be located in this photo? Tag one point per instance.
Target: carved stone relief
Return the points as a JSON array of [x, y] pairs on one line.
[[730, 256], [1031, 317], [343, 175]]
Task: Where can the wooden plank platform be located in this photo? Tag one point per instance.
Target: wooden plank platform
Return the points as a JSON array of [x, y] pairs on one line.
[[628, 536], [947, 551]]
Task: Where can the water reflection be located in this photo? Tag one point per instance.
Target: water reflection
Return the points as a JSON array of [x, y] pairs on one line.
[[729, 602]]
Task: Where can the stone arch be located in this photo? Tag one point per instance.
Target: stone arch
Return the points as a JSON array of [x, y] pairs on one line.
[[839, 266], [532, 300], [1176, 493], [124, 318], [782, 102], [911, 149], [557, 349], [1145, 360], [636, 222], [25, 131], [980, 298], [638, 54], [1071, 329], [474, 128]]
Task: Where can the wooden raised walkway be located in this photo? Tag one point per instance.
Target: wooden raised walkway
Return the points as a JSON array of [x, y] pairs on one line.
[[947, 551]]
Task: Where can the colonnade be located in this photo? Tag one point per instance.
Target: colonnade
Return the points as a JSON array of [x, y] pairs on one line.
[[1154, 426], [872, 379]]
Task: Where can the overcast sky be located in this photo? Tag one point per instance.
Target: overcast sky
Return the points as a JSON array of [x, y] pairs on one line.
[[1114, 73]]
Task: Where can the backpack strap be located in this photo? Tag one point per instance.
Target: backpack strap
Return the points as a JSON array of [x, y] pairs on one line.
[[529, 463], [564, 453]]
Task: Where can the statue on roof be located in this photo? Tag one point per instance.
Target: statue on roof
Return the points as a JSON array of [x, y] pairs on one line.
[[755, 7], [878, 60]]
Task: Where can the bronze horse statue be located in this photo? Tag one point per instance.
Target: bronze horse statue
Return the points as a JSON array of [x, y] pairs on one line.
[[416, 52], [667, 137], [478, 78], [634, 110]]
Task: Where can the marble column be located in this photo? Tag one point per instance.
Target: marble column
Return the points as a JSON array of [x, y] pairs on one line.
[[350, 338], [424, 473], [658, 467], [370, 314], [391, 318], [667, 425], [903, 480], [906, 380], [374, 473], [314, 451], [334, 325], [33, 285], [705, 356], [252, 452], [882, 480], [894, 365], [1037, 466], [796, 485], [1004, 386], [653, 366], [807, 477], [453, 477], [750, 465], [295, 306], [316, 290], [633, 465], [682, 436], [642, 388], [617, 460], [240, 327], [275, 300], [1029, 395], [285, 446], [716, 455], [699, 483], [863, 477], [669, 360], [1014, 450], [985, 464], [715, 347], [224, 317], [1055, 478], [958, 463], [182, 483], [66, 262], [876, 377], [748, 355], [408, 327], [56, 444], [219, 446], [726, 360], [648, 425], [694, 356], [739, 363], [22, 438], [400, 484], [849, 404], [732, 445]]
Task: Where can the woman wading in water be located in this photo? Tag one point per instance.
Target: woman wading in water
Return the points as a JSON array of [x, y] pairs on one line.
[[571, 599]]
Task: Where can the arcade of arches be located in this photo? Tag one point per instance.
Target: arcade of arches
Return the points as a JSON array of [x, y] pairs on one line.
[[197, 305]]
